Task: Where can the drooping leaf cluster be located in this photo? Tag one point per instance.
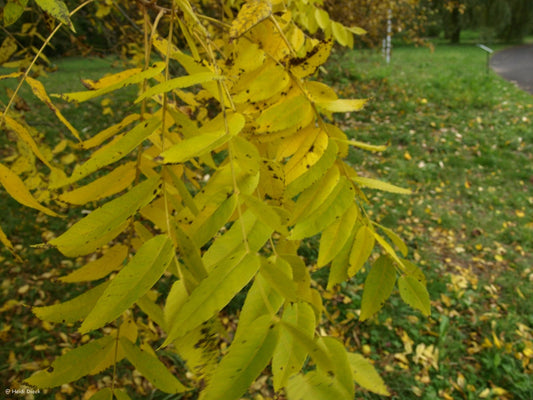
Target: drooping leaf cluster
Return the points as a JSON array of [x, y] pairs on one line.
[[213, 183]]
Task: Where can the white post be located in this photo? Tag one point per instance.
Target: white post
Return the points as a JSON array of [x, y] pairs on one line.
[[388, 44]]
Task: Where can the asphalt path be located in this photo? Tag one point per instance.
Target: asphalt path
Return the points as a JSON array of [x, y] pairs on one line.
[[516, 65]]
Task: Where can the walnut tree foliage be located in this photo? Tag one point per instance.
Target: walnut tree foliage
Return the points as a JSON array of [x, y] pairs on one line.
[[228, 165]]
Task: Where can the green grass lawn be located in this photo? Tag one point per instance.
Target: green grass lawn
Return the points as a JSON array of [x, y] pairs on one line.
[[460, 138]]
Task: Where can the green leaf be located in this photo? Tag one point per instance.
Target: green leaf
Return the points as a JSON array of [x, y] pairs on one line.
[[380, 185], [179, 82], [245, 360], [378, 287], [99, 268], [361, 249], [58, 10], [204, 229], [343, 372], [338, 271], [85, 358], [414, 293], [335, 236], [13, 10], [132, 282], [106, 222], [121, 394], [315, 386], [290, 354], [213, 293], [203, 143], [72, 310], [151, 368], [365, 375], [113, 151], [15, 187], [275, 217]]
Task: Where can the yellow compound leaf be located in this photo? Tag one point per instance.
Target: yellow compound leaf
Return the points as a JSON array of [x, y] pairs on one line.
[[252, 13], [8, 48], [17, 190], [40, 92]]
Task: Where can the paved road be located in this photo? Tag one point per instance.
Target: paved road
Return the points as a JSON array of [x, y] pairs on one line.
[[516, 65]]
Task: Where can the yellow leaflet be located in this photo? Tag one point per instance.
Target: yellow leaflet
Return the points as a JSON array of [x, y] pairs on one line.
[[203, 143], [320, 92], [379, 284], [301, 67], [296, 142], [106, 222], [8, 48], [275, 217], [151, 368], [361, 249], [342, 105], [110, 79], [380, 185], [342, 35], [388, 249], [15, 187], [362, 145], [178, 83], [249, 57], [13, 10], [305, 158], [71, 310], [335, 236], [114, 151], [395, 239], [40, 92], [211, 219], [356, 30], [261, 84], [338, 271], [213, 293], [314, 196], [102, 136], [58, 10], [277, 272], [111, 261], [365, 374], [85, 358], [131, 283], [415, 294], [288, 112], [290, 354], [322, 18], [6, 242], [11, 75], [25, 136], [330, 211], [114, 182], [297, 39], [272, 179], [136, 78], [314, 173], [252, 13], [253, 352]]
